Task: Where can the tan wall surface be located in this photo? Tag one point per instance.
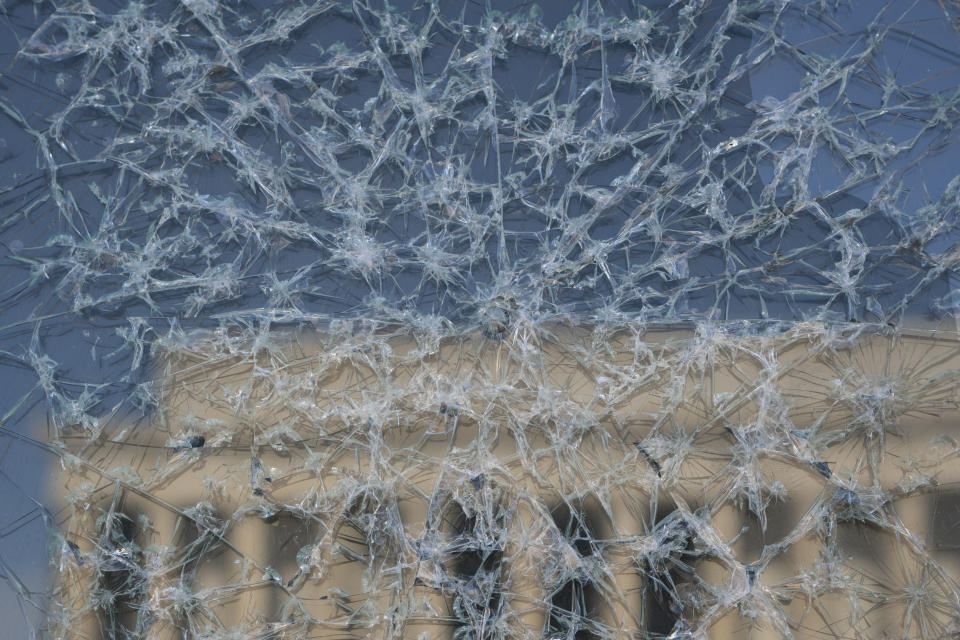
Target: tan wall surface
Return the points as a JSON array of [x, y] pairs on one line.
[[366, 462]]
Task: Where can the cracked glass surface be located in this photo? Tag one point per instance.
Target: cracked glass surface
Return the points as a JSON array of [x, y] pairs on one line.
[[466, 320]]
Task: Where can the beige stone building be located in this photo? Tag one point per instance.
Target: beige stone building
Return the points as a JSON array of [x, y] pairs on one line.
[[560, 483]]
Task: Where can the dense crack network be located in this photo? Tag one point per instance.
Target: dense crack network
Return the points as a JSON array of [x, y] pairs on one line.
[[583, 321]]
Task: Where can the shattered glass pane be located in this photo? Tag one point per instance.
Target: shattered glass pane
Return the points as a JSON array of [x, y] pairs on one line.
[[462, 320]]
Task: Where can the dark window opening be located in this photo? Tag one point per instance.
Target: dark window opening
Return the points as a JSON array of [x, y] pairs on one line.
[[122, 581], [474, 568], [666, 571], [574, 607], [945, 522], [291, 543]]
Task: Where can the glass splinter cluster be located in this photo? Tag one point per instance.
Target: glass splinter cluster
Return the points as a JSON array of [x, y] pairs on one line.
[[474, 320]]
